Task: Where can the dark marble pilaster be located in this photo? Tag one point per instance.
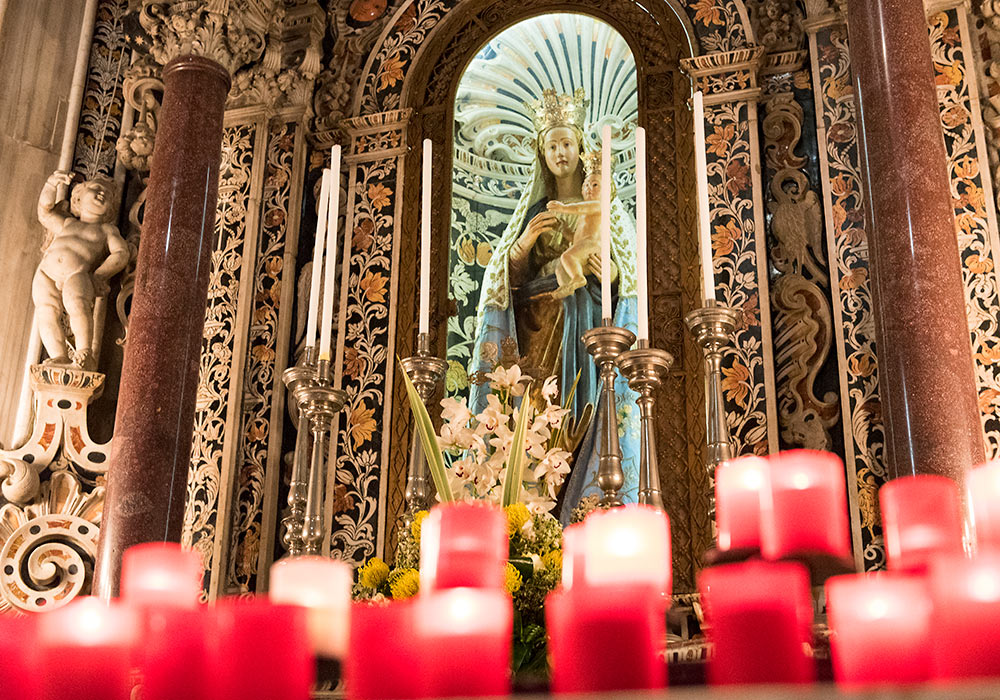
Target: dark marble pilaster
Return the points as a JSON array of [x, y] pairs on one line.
[[925, 362], [156, 402]]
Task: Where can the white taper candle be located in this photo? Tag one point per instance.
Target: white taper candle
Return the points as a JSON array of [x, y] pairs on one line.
[[704, 219], [331, 256], [317, 262], [425, 241], [640, 232], [606, 222]]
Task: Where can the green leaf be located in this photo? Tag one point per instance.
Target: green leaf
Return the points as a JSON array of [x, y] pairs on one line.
[[428, 440], [515, 462]]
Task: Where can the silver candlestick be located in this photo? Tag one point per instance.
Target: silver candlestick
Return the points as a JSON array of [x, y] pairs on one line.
[[426, 373], [645, 368], [712, 327], [293, 377], [321, 403], [605, 343]]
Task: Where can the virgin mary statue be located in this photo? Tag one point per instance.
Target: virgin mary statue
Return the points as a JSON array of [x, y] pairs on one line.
[[522, 307]]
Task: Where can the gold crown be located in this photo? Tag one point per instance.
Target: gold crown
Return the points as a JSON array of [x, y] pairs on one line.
[[555, 109], [591, 163]]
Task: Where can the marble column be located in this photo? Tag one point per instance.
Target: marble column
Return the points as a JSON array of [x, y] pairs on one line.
[[925, 362], [152, 441]]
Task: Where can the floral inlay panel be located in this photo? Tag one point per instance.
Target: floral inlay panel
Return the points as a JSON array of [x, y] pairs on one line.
[[975, 219]]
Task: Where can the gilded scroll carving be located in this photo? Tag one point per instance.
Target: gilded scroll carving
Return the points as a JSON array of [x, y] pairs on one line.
[[803, 325]]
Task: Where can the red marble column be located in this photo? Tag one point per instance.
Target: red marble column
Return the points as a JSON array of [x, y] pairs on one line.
[[152, 442], [926, 376]]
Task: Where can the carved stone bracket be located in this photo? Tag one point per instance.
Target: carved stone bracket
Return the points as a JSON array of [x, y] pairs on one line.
[[376, 136], [229, 32], [726, 76], [62, 395], [823, 13], [287, 72]]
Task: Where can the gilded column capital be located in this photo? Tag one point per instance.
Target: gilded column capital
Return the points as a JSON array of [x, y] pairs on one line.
[[229, 32], [726, 76], [378, 135]]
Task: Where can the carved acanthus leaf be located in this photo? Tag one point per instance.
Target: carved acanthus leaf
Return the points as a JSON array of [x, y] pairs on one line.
[[230, 32]]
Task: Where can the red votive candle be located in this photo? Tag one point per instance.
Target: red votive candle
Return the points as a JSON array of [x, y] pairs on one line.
[[463, 545], [174, 646], [19, 666], [573, 548], [383, 660], [606, 638], [628, 545], [323, 587], [984, 489], [738, 484], [921, 515], [85, 650], [756, 614], [161, 573], [880, 629], [966, 617], [804, 506], [465, 634], [261, 652]]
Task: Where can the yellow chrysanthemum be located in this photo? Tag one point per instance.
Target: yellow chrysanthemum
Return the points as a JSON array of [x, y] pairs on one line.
[[511, 579], [374, 573], [418, 520], [404, 584], [517, 516], [553, 560]]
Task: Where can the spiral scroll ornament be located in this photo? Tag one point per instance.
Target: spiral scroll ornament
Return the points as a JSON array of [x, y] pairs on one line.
[[48, 552]]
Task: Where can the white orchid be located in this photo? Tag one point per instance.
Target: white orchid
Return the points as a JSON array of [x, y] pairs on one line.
[[454, 411], [482, 448], [550, 389], [511, 380]]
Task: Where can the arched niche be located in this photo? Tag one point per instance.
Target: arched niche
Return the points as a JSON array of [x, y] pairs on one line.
[[407, 92]]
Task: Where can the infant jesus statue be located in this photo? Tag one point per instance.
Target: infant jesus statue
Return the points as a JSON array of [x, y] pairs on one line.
[[571, 272], [83, 250]]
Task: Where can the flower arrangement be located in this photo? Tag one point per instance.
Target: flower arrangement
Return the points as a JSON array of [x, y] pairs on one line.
[[534, 569], [513, 454]]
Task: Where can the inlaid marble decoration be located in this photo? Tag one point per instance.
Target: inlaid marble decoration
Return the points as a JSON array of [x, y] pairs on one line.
[[201, 522], [365, 343], [103, 100], [975, 218], [262, 361], [847, 251]]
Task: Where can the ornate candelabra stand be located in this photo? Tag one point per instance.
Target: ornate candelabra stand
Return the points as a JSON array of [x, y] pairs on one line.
[[605, 343], [294, 377], [712, 327], [426, 373], [645, 368], [320, 403]]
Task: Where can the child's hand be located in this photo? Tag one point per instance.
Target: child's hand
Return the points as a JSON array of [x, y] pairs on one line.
[[555, 206]]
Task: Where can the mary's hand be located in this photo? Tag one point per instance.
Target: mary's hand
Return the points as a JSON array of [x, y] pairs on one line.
[[539, 224], [594, 267]]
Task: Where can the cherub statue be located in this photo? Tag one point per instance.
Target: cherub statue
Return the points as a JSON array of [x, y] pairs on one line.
[[573, 263], [83, 250]]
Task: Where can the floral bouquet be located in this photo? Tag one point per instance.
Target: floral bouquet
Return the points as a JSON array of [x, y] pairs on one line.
[[513, 454], [533, 570]]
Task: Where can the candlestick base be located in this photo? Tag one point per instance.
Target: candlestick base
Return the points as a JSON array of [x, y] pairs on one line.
[[320, 402], [713, 326], [605, 343], [645, 368], [293, 378], [426, 373]]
